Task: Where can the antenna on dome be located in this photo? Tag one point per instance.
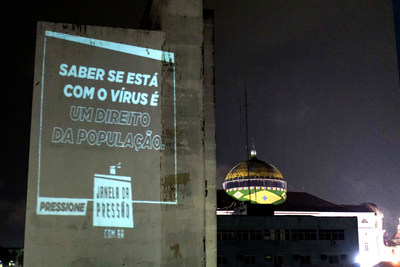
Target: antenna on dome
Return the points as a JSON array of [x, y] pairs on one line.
[[246, 119]]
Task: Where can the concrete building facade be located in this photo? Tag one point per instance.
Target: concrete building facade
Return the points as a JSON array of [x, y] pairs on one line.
[[318, 215], [286, 241]]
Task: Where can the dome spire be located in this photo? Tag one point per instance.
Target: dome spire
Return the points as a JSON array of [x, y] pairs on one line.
[[253, 152]]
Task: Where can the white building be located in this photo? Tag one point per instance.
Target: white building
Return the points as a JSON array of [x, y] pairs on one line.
[[370, 231]]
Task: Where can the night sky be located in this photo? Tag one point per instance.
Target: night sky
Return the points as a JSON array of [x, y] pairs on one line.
[[323, 94]]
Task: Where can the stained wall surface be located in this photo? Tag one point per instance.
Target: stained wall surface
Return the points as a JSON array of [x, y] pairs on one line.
[[190, 37]]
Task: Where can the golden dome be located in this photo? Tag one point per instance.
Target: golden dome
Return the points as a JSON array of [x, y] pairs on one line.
[[256, 181], [254, 168]]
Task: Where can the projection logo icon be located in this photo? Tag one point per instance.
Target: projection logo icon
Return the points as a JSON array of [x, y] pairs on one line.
[[112, 200]]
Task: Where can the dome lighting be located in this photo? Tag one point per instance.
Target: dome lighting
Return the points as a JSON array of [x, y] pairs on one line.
[[256, 181]]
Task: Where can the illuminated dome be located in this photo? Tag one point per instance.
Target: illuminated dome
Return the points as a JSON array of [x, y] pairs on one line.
[[256, 181]]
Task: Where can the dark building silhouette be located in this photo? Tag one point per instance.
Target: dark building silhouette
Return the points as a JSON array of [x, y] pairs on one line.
[[305, 229]]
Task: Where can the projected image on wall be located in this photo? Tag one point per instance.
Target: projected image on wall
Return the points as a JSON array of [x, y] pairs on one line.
[[104, 109]]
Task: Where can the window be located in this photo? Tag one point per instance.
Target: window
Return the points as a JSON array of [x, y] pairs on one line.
[[225, 235], [272, 231], [342, 259], [295, 235], [304, 234], [282, 235], [310, 235], [331, 234], [324, 235], [277, 234], [250, 259], [242, 235], [333, 259], [248, 235], [267, 234], [255, 234], [221, 260], [277, 260], [219, 235], [305, 259], [239, 235], [287, 234], [337, 235]]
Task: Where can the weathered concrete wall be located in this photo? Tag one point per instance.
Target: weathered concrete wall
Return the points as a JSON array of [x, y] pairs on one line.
[[210, 146], [191, 225]]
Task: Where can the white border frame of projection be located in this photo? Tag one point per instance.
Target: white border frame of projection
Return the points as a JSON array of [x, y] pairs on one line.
[[160, 55]]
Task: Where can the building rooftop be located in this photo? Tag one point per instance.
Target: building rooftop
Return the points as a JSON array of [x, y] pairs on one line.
[[296, 201]]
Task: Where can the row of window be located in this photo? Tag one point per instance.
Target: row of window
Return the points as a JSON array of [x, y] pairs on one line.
[[279, 234], [254, 182], [278, 260]]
